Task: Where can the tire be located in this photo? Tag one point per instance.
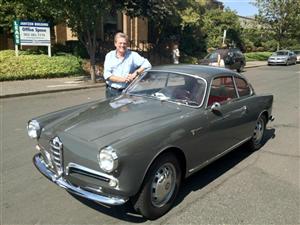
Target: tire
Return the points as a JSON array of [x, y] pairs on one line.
[[258, 134], [241, 68], [160, 187]]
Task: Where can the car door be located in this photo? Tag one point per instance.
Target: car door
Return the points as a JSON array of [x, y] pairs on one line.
[[226, 123]]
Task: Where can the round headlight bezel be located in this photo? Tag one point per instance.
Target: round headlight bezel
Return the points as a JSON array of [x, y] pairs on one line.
[[108, 159], [33, 129]]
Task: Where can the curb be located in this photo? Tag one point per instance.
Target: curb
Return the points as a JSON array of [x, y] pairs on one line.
[[252, 66], [50, 91]]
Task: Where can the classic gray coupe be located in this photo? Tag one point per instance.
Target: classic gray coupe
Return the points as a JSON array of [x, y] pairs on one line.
[[169, 123]]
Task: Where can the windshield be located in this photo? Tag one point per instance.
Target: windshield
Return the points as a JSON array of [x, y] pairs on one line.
[[213, 55], [297, 52], [280, 53], [172, 87]]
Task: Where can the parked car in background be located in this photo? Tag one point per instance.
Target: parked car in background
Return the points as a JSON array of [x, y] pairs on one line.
[[168, 124], [235, 59], [282, 57], [297, 52]]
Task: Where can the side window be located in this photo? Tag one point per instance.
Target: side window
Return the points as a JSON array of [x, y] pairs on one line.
[[222, 89], [242, 87]]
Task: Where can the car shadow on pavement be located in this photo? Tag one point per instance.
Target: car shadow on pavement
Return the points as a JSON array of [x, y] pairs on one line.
[[216, 169], [194, 183], [122, 212]]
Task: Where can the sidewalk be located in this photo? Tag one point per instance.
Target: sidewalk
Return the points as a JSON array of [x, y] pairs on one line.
[[32, 87]]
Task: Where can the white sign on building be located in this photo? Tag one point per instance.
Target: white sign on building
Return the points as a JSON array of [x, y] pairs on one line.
[[32, 34]]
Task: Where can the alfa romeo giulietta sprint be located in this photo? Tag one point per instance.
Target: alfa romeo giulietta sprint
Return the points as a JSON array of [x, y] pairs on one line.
[[139, 147]]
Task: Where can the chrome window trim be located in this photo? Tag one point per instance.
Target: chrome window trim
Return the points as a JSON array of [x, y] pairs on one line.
[[181, 73], [218, 76], [236, 89]]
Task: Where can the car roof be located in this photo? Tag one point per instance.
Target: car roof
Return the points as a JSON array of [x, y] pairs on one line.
[[197, 70], [283, 51]]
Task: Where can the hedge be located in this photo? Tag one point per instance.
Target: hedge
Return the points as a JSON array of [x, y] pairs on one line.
[[257, 56], [29, 66]]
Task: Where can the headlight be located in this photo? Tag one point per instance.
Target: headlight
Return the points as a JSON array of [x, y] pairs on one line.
[[108, 159], [33, 129]]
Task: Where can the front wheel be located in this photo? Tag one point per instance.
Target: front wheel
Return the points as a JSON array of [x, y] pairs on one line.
[[258, 134], [160, 187]]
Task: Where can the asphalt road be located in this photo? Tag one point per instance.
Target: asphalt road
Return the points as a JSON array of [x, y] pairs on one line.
[[241, 188]]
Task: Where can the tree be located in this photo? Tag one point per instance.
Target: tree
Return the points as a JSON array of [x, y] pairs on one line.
[[39, 10], [281, 18], [84, 17], [161, 15], [216, 21]]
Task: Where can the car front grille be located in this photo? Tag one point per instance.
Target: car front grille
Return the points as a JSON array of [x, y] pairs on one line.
[[56, 151]]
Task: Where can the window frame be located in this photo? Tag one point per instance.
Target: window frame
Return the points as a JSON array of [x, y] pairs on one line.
[[226, 101], [236, 88]]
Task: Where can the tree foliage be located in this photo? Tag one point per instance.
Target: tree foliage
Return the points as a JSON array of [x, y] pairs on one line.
[[156, 10], [216, 21], [84, 17], [39, 10], [281, 18]]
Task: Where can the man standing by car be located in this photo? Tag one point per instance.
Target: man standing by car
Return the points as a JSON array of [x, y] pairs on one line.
[[122, 66], [222, 54]]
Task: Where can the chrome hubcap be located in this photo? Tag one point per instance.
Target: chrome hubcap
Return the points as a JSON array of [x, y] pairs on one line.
[[163, 185], [259, 131]]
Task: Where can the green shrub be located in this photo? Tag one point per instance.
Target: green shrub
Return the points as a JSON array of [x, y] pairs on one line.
[[72, 47], [257, 56], [28, 66], [189, 59]]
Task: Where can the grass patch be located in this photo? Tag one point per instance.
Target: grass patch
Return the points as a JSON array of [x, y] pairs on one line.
[[29, 66], [257, 56]]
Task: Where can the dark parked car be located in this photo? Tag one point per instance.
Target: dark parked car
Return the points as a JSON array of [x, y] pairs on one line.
[[235, 59], [167, 125], [282, 57]]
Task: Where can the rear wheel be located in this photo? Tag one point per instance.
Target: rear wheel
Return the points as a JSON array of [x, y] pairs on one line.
[[160, 187], [258, 134], [241, 69]]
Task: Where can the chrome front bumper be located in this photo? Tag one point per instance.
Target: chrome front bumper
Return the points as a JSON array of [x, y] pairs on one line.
[[60, 181]]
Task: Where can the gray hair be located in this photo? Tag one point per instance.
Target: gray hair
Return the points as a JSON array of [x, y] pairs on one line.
[[120, 35]]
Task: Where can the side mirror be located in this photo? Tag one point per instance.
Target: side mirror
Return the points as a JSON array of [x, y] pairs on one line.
[[216, 107]]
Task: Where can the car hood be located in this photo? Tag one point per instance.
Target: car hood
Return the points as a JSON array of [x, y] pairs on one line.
[[107, 117], [278, 57]]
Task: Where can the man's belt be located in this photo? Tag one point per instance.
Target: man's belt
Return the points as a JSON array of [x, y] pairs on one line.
[[117, 89]]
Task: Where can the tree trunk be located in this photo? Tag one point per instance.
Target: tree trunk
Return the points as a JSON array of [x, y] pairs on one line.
[[93, 65], [89, 41]]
